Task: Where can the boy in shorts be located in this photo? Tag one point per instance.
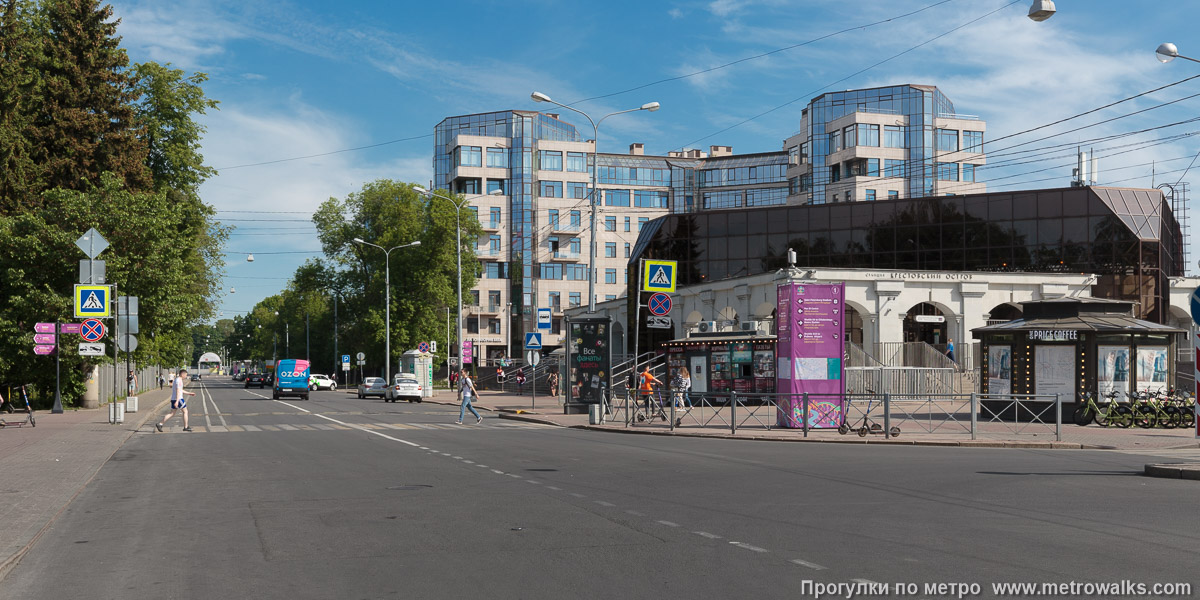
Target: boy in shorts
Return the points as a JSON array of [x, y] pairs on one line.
[[178, 403]]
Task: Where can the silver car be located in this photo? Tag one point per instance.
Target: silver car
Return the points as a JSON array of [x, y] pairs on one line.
[[373, 386], [405, 387]]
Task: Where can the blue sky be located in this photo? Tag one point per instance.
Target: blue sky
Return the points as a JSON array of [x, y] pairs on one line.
[[301, 78]]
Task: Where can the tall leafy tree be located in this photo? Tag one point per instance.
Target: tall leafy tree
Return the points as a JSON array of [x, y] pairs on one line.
[[167, 102], [20, 53], [85, 124]]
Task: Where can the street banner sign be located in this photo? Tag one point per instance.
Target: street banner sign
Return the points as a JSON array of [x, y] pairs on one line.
[[657, 322], [543, 318], [91, 349], [70, 328], [533, 341], [43, 327], [659, 275], [423, 347], [468, 352], [42, 350], [43, 338], [93, 301], [533, 357], [92, 243], [92, 330], [660, 304]]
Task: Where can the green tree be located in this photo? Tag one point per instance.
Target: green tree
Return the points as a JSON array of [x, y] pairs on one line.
[[85, 122], [20, 53], [166, 106]]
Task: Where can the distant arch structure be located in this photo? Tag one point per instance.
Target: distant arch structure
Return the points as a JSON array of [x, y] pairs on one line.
[[209, 357]]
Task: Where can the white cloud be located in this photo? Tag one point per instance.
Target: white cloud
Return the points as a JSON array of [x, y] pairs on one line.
[[675, 13]]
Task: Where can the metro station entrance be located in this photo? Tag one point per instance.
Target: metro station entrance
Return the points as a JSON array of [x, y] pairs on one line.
[[925, 323]]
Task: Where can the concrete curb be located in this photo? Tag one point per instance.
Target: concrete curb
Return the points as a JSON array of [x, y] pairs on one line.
[[1174, 471]]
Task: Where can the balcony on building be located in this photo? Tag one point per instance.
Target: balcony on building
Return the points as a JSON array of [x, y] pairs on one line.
[[565, 227], [565, 256], [489, 254]]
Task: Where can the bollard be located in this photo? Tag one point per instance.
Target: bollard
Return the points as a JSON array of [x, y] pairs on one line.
[[733, 411], [1058, 417], [887, 415], [627, 408], [672, 396], [974, 414], [804, 412]]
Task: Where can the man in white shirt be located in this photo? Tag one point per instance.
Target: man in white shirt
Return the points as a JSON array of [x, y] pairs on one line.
[[178, 402]]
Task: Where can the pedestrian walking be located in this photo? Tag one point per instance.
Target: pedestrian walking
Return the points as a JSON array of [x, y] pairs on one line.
[[647, 381], [521, 381], [131, 383], [161, 381], [178, 402], [552, 383], [950, 348], [682, 384], [466, 393]]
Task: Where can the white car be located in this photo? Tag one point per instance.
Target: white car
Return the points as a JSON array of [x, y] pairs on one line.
[[405, 387], [373, 386], [321, 382]]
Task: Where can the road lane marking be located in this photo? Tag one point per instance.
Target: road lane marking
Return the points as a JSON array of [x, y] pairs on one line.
[[805, 563], [497, 471], [667, 523], [603, 503], [287, 427], [298, 408], [215, 407], [372, 432], [750, 547], [711, 536], [250, 428], [554, 488], [578, 495], [204, 403]]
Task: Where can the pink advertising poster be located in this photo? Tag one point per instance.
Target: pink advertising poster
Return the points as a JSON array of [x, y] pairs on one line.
[[811, 353]]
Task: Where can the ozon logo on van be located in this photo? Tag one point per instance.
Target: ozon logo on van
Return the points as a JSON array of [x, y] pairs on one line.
[[291, 374]]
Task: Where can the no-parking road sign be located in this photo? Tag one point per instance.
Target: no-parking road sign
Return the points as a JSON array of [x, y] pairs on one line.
[[660, 304], [92, 330]]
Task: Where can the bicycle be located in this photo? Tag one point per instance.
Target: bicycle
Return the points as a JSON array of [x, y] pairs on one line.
[[1113, 413], [1151, 412]]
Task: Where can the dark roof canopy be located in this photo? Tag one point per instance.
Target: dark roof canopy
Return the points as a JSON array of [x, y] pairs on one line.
[[1079, 314]]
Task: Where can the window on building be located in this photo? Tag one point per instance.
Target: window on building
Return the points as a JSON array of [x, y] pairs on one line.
[[573, 243], [494, 244], [893, 194], [608, 297], [835, 142], [642, 222], [849, 137], [868, 134], [552, 189], [610, 249], [552, 217], [793, 185], [475, 297], [870, 195], [893, 136], [494, 270], [873, 167], [610, 223], [626, 223], [550, 160], [835, 173], [574, 299], [555, 301], [577, 162], [575, 217], [497, 158], [968, 172], [575, 273], [835, 197], [494, 217], [467, 185], [494, 326], [804, 153], [626, 249], [947, 171], [893, 167], [805, 183], [610, 276], [494, 300], [552, 244], [794, 155], [972, 141], [472, 324], [616, 197], [577, 190], [468, 156], [497, 185], [947, 140], [649, 199]]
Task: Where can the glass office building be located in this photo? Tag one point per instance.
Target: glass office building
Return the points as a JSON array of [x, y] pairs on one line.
[[1128, 239]]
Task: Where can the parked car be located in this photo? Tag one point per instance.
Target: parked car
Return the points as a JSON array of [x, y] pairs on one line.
[[321, 382], [239, 376], [195, 377], [291, 379], [405, 387], [372, 386], [257, 380]]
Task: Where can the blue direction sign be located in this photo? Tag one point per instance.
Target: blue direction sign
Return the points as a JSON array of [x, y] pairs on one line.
[[533, 341], [544, 318], [660, 304]]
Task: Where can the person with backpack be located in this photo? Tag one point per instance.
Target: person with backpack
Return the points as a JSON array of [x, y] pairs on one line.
[[521, 381]]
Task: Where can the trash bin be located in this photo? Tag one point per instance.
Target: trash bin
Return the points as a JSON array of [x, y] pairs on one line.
[[131, 403], [116, 412], [595, 414]]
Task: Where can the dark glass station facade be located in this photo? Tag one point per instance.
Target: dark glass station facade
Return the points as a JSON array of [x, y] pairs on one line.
[[1128, 238]]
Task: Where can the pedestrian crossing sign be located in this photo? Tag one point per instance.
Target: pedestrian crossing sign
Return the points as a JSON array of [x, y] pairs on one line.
[[533, 341], [659, 275], [93, 301]]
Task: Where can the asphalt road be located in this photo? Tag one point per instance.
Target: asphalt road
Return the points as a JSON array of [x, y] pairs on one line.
[[344, 498]]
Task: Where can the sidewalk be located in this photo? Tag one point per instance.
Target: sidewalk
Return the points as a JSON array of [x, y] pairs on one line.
[[547, 410], [46, 466]]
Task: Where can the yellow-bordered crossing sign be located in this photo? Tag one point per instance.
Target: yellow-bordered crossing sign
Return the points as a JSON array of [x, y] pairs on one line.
[[659, 275], [93, 301]]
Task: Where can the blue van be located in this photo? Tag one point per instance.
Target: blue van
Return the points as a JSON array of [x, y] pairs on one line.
[[291, 379]]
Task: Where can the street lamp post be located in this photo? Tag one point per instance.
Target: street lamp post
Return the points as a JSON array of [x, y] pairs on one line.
[[387, 304], [458, 252], [650, 106], [1168, 52]]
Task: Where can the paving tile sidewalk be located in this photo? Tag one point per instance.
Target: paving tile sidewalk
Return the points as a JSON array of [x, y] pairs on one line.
[[46, 466], [548, 410]]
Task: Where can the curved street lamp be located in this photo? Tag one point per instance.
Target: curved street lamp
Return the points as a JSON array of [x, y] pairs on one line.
[[387, 305], [1168, 52], [1041, 10], [649, 106]]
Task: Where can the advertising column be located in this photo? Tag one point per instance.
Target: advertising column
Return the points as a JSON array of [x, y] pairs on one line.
[[811, 352]]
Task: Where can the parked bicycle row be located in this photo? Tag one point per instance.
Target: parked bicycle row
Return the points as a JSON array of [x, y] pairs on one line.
[[1162, 408]]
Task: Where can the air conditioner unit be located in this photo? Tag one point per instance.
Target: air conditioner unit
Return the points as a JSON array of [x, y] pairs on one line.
[[706, 326], [761, 327]]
